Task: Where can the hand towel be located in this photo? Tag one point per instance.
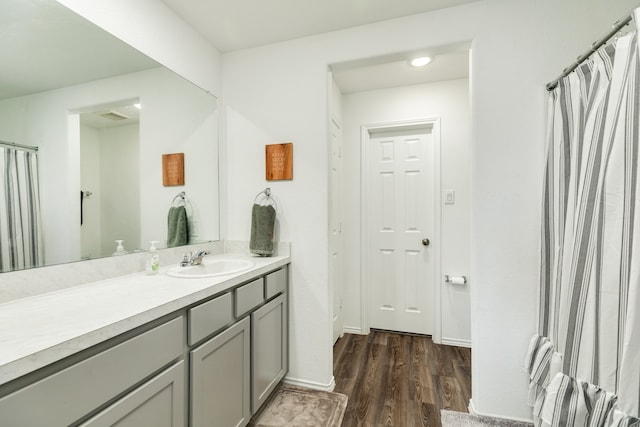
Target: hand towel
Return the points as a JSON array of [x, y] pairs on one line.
[[177, 227], [263, 220]]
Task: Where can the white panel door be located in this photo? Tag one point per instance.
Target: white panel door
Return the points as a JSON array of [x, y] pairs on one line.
[[401, 208], [336, 228]]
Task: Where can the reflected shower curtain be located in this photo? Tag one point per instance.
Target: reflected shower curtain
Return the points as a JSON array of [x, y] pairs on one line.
[[20, 229], [584, 364]]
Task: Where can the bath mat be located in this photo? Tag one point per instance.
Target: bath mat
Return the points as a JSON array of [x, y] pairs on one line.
[[301, 407], [462, 419]]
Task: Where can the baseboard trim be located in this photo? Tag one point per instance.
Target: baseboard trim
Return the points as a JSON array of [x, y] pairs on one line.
[[352, 330], [311, 384], [473, 411], [456, 342]]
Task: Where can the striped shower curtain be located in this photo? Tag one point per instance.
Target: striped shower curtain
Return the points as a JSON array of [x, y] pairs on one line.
[[20, 229], [584, 363]]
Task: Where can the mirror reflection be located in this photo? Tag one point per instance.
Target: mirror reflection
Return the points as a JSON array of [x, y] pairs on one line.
[[109, 178], [85, 121]]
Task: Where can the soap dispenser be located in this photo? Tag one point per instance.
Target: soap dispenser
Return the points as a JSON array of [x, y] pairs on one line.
[[119, 249], [153, 259]]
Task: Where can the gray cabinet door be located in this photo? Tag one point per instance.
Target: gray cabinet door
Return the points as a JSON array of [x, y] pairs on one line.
[[220, 379], [159, 403], [269, 360]]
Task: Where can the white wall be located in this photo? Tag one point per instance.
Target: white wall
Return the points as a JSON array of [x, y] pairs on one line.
[[449, 101], [176, 116], [155, 30], [279, 93], [119, 190], [271, 98]]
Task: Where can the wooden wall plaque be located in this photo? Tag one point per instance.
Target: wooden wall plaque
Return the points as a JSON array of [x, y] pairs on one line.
[[279, 161], [173, 169]]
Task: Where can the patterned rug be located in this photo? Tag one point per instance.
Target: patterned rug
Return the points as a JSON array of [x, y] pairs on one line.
[[301, 407], [462, 419]]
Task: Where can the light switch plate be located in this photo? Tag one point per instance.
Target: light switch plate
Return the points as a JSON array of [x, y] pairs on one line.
[[449, 197]]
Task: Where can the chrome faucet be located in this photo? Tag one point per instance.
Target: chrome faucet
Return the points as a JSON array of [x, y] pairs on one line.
[[194, 258]]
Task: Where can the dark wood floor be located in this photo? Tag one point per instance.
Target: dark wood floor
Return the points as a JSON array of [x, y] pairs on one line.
[[400, 380]]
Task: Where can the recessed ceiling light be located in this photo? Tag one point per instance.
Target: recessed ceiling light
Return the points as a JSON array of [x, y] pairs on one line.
[[420, 62], [137, 105]]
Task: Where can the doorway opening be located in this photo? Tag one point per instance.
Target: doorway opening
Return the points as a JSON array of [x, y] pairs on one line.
[[108, 139], [431, 107]]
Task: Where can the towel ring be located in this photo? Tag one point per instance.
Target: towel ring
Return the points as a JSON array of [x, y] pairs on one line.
[[181, 197], [265, 198], [181, 200]]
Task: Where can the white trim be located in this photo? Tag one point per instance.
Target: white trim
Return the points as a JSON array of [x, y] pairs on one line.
[[311, 384], [472, 411], [456, 342], [364, 230], [335, 279], [353, 330], [437, 334], [365, 132]]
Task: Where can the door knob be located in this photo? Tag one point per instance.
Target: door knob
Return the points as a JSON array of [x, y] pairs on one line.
[[425, 242]]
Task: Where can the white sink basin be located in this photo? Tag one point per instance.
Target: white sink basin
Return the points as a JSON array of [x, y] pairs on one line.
[[211, 268]]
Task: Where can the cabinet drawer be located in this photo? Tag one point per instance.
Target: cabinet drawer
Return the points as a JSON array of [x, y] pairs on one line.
[[276, 282], [210, 317], [249, 296], [72, 393]]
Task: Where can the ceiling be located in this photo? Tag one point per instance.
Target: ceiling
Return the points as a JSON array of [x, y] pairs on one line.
[[40, 39], [447, 63], [240, 24], [228, 26]]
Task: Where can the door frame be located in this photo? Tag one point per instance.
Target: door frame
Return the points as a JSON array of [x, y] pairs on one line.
[[336, 285], [365, 153]]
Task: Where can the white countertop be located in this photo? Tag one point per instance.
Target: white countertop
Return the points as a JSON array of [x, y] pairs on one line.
[[43, 329]]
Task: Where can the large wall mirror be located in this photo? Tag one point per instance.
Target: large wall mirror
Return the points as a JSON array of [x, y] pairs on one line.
[[94, 117]]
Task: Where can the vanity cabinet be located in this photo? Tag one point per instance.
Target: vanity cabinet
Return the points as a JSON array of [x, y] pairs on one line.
[[70, 395], [211, 363], [234, 373]]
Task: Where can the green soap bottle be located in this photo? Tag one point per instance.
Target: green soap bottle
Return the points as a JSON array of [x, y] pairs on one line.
[[153, 259]]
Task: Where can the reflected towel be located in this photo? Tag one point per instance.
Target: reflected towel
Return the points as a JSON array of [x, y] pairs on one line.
[[178, 227], [263, 219]]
